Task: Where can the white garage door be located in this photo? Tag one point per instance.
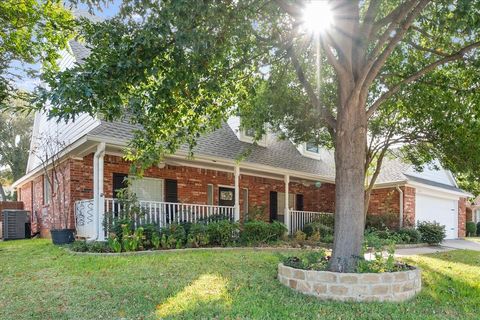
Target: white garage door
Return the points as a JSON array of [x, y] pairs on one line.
[[441, 210]]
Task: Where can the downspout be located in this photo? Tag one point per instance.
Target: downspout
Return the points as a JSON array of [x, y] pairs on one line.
[[98, 190], [400, 191]]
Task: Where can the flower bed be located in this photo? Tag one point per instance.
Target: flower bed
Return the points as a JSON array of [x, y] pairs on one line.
[[388, 286]]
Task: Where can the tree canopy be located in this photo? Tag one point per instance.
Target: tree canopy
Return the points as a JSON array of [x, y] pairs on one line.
[[405, 71], [31, 31]]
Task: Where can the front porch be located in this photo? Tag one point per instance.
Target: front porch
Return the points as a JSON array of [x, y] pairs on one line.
[[185, 190], [89, 226]]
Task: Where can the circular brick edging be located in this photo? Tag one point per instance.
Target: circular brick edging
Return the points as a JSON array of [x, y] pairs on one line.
[[326, 285]]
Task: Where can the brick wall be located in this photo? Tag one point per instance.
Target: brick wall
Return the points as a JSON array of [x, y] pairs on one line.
[[462, 217], [192, 185], [408, 206]]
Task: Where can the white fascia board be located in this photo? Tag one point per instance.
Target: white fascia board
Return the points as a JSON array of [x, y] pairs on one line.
[[437, 191]]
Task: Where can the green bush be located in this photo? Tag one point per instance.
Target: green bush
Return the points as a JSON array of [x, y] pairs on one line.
[[262, 232], [409, 235], [150, 231], [96, 246], [478, 229], [432, 232], [471, 229], [197, 235], [315, 260], [222, 232], [173, 236], [310, 228], [382, 221]]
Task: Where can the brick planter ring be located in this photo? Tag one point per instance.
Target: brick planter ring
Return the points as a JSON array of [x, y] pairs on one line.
[[326, 285]]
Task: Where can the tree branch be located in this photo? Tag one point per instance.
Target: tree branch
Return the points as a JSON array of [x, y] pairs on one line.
[[325, 113], [419, 47], [456, 56], [369, 20], [376, 63], [291, 9]]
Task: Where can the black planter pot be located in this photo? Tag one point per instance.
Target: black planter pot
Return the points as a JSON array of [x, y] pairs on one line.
[[62, 236]]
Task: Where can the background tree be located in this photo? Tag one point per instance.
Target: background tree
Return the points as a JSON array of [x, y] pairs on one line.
[[184, 66], [15, 135]]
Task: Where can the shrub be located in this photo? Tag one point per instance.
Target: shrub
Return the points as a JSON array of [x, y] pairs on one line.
[[114, 244], [409, 235], [173, 236], [471, 229], [432, 232], [96, 246], [310, 228], [256, 213], [197, 236], [222, 232], [315, 260], [478, 228], [79, 246], [132, 241], [382, 221], [300, 236], [150, 231], [262, 232]]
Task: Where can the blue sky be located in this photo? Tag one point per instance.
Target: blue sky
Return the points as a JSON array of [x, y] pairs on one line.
[[28, 83]]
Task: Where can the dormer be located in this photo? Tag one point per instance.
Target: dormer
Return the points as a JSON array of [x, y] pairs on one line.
[[245, 135], [309, 149]]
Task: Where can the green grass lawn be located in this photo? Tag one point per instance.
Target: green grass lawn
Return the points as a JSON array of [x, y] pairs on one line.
[[40, 281]]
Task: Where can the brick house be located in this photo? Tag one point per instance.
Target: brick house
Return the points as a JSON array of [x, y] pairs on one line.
[[290, 183]]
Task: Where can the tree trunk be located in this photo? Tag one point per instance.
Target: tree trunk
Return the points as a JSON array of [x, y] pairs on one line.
[[350, 156]]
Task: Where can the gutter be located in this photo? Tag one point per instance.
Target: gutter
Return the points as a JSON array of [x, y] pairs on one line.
[[400, 191], [98, 204]]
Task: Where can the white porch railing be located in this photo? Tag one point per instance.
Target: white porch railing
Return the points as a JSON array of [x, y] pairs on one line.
[[298, 219], [85, 218], [164, 213]]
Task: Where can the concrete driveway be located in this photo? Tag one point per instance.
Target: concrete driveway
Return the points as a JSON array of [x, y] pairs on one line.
[[446, 245]]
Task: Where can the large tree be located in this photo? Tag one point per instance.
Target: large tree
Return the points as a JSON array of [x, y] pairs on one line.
[[396, 68]]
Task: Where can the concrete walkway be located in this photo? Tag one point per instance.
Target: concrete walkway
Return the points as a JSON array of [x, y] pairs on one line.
[[446, 245], [461, 244]]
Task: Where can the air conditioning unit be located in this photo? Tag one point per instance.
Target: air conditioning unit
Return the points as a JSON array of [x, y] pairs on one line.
[[14, 222]]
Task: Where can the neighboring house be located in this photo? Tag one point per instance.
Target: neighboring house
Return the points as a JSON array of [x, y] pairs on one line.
[[292, 183]]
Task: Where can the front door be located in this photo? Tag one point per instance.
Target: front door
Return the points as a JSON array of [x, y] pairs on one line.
[[226, 196]]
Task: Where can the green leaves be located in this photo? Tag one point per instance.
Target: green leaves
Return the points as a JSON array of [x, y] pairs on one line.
[[31, 32]]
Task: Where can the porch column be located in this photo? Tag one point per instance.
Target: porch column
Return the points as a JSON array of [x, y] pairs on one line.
[[287, 205], [237, 192], [98, 196]]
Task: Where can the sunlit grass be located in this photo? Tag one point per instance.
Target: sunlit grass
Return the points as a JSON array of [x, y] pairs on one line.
[[41, 281], [208, 291]]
